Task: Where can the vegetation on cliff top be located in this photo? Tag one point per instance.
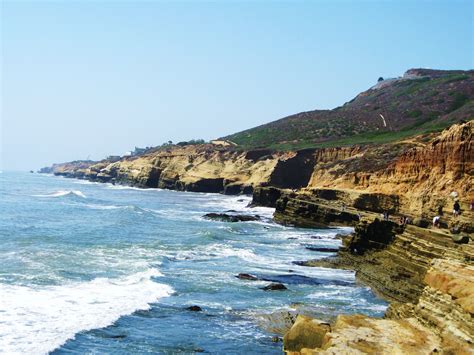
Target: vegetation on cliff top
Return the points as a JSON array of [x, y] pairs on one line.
[[421, 102]]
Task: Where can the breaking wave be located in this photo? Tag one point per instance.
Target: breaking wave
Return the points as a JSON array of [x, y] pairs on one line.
[[38, 320], [62, 193]]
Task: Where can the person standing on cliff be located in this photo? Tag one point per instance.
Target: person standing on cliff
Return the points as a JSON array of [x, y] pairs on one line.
[[436, 221], [456, 209]]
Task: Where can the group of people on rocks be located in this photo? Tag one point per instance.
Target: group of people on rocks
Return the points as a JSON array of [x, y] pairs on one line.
[[456, 212], [436, 219]]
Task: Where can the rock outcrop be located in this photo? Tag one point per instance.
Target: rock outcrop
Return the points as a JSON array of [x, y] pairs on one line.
[[428, 278], [199, 168], [358, 334]]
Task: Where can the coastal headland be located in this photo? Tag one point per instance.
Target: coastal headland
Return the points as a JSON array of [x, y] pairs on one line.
[[416, 167]]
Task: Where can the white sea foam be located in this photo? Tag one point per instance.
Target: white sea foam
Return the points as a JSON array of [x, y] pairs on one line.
[[38, 320], [125, 187], [238, 204], [62, 193], [219, 251], [104, 207], [86, 182]]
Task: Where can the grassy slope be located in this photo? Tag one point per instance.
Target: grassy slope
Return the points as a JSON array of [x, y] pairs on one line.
[[429, 103]]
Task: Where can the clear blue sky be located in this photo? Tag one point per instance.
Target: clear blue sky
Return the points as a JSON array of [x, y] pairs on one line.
[[91, 78]]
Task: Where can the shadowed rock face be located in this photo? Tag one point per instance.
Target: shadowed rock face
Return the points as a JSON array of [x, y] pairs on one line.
[[153, 178], [206, 185], [259, 154], [266, 196], [377, 203], [375, 235], [294, 172]]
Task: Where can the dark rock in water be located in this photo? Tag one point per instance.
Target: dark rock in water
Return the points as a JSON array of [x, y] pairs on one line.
[[323, 250], [274, 287], [199, 350], [231, 211], [276, 339], [291, 238], [300, 262], [295, 279], [194, 308], [240, 200], [223, 217], [247, 277]]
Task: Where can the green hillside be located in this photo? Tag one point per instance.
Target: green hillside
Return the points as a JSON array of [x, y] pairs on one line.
[[421, 101]]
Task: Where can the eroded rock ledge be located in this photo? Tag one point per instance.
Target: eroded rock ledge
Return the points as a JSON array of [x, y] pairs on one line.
[[429, 280]]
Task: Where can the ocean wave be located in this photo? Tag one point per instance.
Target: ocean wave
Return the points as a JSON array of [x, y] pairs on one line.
[[62, 193], [131, 208], [86, 182], [39, 320], [125, 187], [218, 251], [239, 204], [104, 207]]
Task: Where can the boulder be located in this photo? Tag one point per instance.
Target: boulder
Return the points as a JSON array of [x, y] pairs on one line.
[[323, 250], [250, 277], [194, 308], [305, 333], [224, 217], [274, 287]]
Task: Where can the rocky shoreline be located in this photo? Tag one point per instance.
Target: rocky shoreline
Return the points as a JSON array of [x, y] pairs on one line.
[[426, 273]]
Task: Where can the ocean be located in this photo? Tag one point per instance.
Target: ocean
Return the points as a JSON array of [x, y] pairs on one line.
[[96, 268]]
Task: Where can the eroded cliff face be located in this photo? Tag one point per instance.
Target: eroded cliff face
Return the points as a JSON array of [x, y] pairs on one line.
[[422, 175], [410, 177], [200, 168]]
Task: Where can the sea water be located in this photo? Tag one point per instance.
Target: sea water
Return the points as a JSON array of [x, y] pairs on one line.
[[97, 268]]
